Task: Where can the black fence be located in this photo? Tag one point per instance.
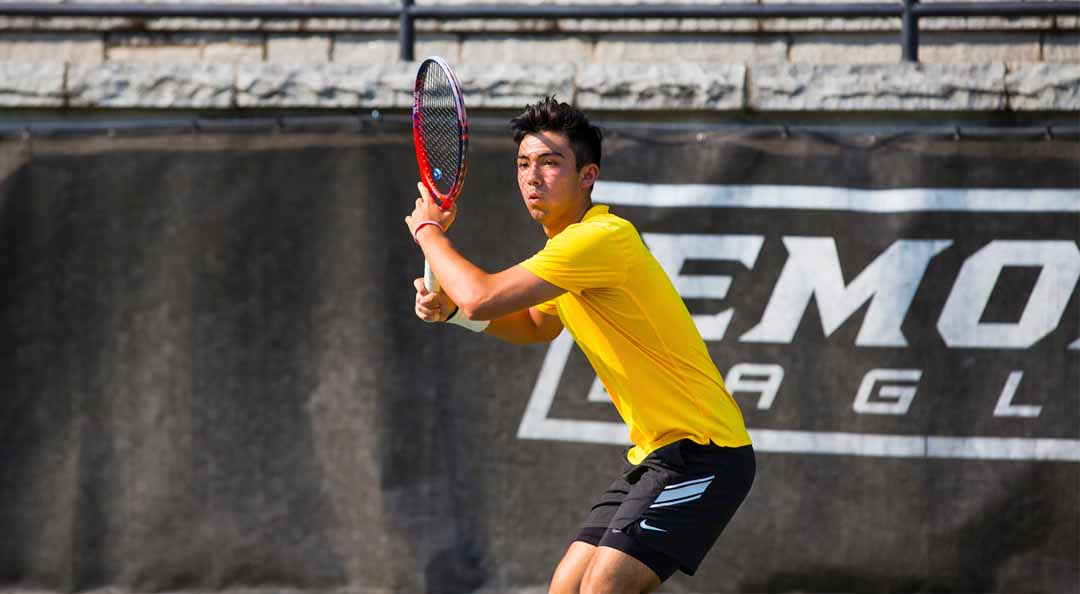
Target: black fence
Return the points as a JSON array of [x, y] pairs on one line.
[[211, 378], [367, 120], [909, 12]]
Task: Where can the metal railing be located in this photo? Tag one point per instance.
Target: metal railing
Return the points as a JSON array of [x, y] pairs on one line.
[[909, 12], [43, 127]]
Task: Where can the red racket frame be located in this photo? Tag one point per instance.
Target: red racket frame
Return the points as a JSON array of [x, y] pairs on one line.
[[445, 201]]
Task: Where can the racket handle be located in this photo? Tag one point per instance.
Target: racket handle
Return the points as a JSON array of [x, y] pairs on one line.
[[430, 282]]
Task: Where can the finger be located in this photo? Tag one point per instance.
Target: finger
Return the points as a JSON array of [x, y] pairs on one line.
[[427, 313], [429, 300], [421, 288], [425, 193], [425, 317]]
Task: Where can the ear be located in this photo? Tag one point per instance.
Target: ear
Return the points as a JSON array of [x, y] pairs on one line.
[[588, 175]]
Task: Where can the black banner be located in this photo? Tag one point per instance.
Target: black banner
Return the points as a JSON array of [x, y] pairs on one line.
[[212, 377]]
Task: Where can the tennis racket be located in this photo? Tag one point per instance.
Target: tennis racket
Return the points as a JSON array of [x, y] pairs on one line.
[[440, 136]]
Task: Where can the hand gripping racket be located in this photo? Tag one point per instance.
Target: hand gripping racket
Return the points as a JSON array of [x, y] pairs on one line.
[[441, 137]]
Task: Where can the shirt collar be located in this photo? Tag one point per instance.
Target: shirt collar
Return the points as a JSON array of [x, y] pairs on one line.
[[595, 211]]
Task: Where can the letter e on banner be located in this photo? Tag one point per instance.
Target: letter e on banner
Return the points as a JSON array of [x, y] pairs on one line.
[[672, 251], [895, 399]]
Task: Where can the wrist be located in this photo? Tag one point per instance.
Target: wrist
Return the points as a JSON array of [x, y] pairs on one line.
[[424, 224], [464, 322]]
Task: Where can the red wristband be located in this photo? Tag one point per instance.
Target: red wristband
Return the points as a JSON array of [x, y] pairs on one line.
[[425, 224]]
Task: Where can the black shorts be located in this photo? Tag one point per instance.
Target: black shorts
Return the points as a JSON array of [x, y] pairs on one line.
[[669, 510]]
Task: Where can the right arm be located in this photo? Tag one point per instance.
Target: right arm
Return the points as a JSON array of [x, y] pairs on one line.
[[524, 326]]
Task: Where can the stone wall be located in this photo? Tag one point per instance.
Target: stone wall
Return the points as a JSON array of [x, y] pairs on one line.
[[980, 64]]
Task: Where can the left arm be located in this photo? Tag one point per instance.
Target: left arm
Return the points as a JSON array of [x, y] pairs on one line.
[[481, 296]]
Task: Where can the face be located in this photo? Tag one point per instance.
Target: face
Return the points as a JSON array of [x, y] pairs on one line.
[[555, 192]]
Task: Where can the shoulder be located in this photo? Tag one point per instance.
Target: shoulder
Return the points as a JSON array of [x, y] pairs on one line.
[[610, 222], [599, 225]]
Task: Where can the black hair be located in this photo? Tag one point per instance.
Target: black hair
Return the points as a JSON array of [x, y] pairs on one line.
[[549, 115]]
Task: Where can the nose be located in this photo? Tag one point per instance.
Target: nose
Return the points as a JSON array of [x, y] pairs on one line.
[[532, 176]]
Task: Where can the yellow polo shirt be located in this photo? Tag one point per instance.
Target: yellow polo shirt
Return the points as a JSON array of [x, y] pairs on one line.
[[626, 316]]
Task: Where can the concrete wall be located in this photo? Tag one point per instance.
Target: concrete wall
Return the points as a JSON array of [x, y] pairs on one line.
[[726, 65]]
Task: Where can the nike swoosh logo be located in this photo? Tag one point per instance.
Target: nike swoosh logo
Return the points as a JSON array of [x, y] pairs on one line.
[[645, 526]]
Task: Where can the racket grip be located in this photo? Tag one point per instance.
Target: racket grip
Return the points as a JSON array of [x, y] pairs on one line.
[[430, 282]]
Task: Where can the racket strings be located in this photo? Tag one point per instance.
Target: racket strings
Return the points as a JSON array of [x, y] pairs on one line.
[[440, 128]]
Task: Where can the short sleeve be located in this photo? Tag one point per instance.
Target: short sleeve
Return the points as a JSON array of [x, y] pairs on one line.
[[548, 308], [584, 256]]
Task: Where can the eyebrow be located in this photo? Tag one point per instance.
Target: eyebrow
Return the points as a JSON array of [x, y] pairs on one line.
[[542, 155]]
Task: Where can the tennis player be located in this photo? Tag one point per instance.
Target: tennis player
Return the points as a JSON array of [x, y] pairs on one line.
[[692, 464]]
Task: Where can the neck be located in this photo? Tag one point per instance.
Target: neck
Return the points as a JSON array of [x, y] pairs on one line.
[[573, 218]]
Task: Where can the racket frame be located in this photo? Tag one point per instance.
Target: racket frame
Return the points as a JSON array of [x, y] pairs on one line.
[[444, 200]]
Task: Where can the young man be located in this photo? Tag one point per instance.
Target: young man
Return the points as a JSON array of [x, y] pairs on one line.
[[692, 462]]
